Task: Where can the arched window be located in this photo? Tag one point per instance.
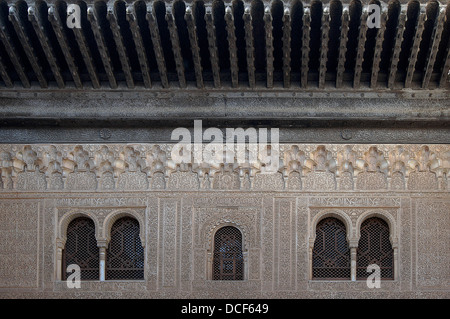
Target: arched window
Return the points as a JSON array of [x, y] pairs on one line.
[[374, 247], [331, 254], [228, 260], [81, 249], [125, 254]]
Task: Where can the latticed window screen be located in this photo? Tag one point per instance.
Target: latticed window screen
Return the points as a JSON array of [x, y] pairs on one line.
[[331, 254], [125, 254], [81, 249], [228, 262], [374, 247]]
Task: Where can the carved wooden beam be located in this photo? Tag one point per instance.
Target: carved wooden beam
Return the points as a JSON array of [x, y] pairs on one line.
[[325, 30], [4, 75], [195, 49], [139, 44], [420, 24], [432, 52], [378, 48], [269, 47], [45, 43], [305, 47], [286, 48], [176, 47], [446, 69], [249, 47], [55, 21], [87, 57], [397, 48], [231, 37], [115, 28], [360, 51], [101, 44], [212, 46], [25, 41], [11, 50], [342, 47], [157, 48]]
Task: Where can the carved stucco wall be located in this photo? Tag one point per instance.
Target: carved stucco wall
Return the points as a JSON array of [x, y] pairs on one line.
[[178, 213]]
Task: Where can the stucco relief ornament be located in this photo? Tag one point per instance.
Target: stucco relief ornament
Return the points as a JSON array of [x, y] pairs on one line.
[[105, 133], [423, 176], [183, 178], [346, 134], [157, 166], [398, 160], [29, 176], [346, 162], [268, 173], [129, 170], [6, 170], [51, 162], [293, 163], [374, 167], [80, 166], [321, 165], [226, 178]]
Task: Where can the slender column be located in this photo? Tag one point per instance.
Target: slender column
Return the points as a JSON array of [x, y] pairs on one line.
[[353, 245], [395, 247], [245, 258], [209, 262], [102, 245], [310, 260], [59, 249]]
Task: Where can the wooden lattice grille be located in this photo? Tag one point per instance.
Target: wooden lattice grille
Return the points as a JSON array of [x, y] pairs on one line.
[[331, 254], [228, 263], [125, 254], [374, 247], [81, 249]]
